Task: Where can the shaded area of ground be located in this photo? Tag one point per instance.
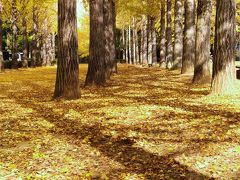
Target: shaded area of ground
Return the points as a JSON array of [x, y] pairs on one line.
[[148, 123]]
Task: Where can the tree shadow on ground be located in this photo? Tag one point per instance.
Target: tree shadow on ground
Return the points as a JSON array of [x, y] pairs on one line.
[[124, 150]]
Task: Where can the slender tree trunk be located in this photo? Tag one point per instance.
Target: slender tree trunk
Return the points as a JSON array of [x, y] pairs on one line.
[[25, 43], [178, 35], [142, 42], [163, 36], [134, 40], [53, 53], [114, 49], [123, 44], [34, 38], [48, 49], [126, 47], [169, 43], [67, 81], [1, 39], [108, 30], [150, 42], [130, 44], [145, 40], [224, 73], [137, 46], [201, 66], [154, 43], [189, 38], [14, 35], [97, 67]]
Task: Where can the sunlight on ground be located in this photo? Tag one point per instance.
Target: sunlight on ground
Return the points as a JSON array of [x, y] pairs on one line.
[[148, 123]]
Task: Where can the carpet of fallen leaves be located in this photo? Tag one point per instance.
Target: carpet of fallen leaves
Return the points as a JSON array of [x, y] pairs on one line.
[[148, 123]]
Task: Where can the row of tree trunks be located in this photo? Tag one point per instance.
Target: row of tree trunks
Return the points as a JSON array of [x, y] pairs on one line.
[[143, 49], [96, 74], [1, 33]]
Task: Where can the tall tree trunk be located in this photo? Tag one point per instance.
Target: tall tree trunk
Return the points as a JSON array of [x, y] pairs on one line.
[[163, 36], [178, 35], [113, 47], [25, 43], [126, 47], [145, 40], [224, 75], [67, 80], [134, 40], [108, 30], [123, 44], [169, 43], [130, 44], [97, 67], [34, 38], [14, 35], [154, 43], [189, 38], [1, 38], [137, 46], [201, 66], [150, 41], [53, 53], [142, 41]]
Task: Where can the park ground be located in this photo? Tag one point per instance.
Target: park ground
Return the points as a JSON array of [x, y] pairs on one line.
[[148, 123]]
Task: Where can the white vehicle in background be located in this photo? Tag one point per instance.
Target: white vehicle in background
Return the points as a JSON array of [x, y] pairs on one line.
[[19, 56]]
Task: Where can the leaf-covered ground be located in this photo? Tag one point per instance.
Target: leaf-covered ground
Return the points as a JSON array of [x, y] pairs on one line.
[[147, 123]]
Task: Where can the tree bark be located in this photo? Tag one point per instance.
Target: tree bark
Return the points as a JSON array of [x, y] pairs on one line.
[[201, 66], [163, 36], [108, 30], [189, 38], [97, 67], [224, 74], [123, 44], [126, 47], [150, 41], [14, 35], [34, 38], [1, 39], [154, 43], [130, 44], [145, 40], [142, 41], [178, 35], [169, 43], [114, 49], [137, 47], [25, 43], [67, 80], [134, 40], [53, 52]]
